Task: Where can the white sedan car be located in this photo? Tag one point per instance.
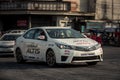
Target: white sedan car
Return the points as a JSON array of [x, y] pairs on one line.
[[7, 42], [55, 45]]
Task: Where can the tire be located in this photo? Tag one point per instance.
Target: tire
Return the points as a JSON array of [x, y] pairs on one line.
[[50, 58], [19, 57], [91, 63]]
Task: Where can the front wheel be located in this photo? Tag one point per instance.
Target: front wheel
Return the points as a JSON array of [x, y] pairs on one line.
[[19, 56], [50, 58], [91, 63]]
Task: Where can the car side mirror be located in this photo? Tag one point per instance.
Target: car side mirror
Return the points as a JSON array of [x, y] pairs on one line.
[[42, 37]]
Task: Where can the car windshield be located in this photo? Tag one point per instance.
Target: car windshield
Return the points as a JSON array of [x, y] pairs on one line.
[[64, 33], [9, 37]]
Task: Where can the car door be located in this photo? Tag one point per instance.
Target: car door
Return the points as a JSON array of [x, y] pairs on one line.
[[28, 44], [40, 41]]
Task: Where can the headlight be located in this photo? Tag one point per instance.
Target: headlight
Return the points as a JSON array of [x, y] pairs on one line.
[[95, 47], [62, 46]]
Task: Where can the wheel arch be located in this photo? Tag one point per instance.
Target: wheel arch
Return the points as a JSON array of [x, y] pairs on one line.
[[19, 56], [17, 49], [47, 52], [51, 60]]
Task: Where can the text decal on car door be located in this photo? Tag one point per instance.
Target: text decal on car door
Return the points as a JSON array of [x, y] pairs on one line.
[[33, 49]]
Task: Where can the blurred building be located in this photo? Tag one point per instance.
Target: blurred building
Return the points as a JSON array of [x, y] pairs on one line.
[[24, 14], [108, 10]]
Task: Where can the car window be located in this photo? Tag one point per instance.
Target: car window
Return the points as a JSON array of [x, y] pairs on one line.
[[38, 33], [30, 34]]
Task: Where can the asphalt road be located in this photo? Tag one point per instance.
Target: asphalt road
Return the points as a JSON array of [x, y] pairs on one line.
[[109, 69]]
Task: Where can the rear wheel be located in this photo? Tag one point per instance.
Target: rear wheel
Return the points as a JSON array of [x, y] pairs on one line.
[[91, 63], [50, 58], [19, 56]]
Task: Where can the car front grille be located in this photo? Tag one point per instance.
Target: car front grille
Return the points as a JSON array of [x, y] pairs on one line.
[[11, 46], [64, 58], [86, 58]]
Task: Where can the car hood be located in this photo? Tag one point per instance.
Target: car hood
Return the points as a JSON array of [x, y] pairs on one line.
[[77, 42]]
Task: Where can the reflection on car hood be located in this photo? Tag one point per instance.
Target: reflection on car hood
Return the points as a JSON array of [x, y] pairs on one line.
[[77, 42]]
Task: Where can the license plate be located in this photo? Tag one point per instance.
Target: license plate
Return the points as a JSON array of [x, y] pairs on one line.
[[88, 54]]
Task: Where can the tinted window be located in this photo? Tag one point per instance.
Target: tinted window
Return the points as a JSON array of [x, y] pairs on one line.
[[38, 33], [29, 34]]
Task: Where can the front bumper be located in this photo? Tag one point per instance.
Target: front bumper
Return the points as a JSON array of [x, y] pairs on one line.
[[73, 56], [6, 50]]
